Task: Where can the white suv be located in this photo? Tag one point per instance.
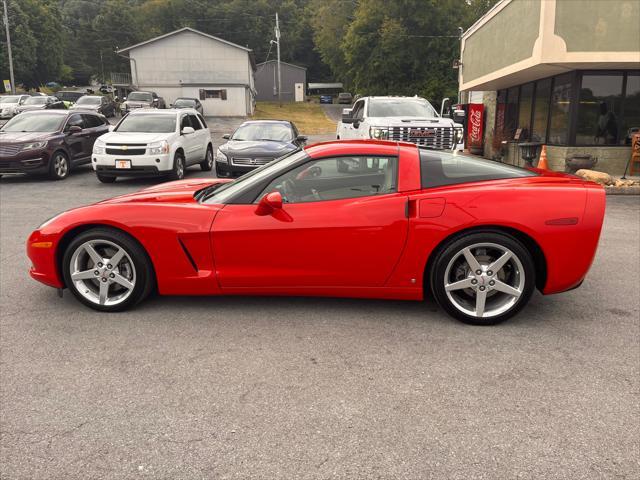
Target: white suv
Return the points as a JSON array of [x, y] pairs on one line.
[[150, 142], [405, 119]]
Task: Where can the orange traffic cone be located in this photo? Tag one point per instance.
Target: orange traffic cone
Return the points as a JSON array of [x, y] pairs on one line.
[[542, 163]]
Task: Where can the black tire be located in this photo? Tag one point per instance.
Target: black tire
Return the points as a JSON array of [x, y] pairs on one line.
[[59, 166], [452, 249], [177, 172], [106, 178], [145, 277], [207, 164], [221, 174]]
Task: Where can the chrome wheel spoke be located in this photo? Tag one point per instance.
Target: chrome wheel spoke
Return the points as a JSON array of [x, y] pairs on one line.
[[471, 260], [120, 280], [500, 262], [95, 256], [84, 275], [508, 289], [115, 260], [481, 299], [104, 292], [459, 285]]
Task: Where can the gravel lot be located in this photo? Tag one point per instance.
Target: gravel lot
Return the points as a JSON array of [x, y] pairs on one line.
[[201, 388]]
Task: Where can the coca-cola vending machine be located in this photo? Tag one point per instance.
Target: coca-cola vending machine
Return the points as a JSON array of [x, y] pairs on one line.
[[475, 128]]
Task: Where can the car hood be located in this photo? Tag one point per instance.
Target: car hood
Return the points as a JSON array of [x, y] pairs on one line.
[[253, 149], [410, 122], [21, 137], [180, 191], [133, 137], [25, 108]]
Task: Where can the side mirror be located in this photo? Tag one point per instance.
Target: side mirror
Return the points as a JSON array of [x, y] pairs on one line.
[[171, 105], [269, 204], [155, 100], [187, 131], [226, 136], [124, 98], [112, 128], [74, 130], [301, 139], [458, 116], [346, 115]]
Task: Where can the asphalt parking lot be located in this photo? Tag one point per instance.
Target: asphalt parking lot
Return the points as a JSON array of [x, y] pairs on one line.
[[284, 388]]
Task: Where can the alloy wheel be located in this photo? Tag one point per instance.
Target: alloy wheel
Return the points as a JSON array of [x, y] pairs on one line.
[[102, 272], [60, 165], [484, 280]]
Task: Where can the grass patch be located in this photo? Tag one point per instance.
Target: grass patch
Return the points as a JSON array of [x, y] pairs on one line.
[[308, 117]]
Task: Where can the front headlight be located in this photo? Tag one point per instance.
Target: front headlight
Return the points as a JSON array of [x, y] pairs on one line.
[[379, 133], [99, 148], [221, 157], [459, 135], [159, 148], [33, 145]]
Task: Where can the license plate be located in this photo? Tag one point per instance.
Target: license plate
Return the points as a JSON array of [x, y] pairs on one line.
[[123, 163]]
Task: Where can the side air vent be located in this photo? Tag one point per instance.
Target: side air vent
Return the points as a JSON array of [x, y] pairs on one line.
[[188, 255]]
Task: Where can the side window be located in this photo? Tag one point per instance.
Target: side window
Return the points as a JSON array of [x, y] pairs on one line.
[[202, 121], [195, 123], [337, 178], [92, 121], [185, 122], [440, 169], [74, 121], [358, 110]]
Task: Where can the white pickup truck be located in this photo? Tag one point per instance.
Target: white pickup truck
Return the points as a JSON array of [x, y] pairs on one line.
[[407, 119]]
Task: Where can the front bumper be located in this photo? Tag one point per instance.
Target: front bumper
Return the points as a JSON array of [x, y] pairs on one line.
[[233, 170], [41, 250], [141, 165], [31, 161]]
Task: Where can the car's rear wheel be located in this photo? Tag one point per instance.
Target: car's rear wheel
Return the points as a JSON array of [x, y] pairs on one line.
[[483, 278], [107, 270], [177, 173], [106, 178], [207, 164], [59, 166]]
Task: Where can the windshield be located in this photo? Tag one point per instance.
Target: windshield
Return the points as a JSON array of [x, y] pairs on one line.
[[278, 132], [89, 101], [401, 107], [181, 102], [221, 193], [12, 99], [34, 123], [36, 101], [147, 123], [140, 97]]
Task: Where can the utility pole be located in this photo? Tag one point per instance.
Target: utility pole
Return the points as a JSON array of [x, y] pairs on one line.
[[102, 68], [278, 47], [6, 24]]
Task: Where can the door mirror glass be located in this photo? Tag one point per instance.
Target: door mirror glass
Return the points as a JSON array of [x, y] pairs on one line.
[[347, 115], [269, 204], [226, 136], [187, 130], [301, 139], [74, 129]]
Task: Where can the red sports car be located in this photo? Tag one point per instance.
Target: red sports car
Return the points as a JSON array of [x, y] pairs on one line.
[[393, 222]]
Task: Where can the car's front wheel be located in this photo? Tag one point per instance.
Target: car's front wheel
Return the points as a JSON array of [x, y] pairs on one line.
[[107, 270], [483, 278], [177, 173], [59, 166], [207, 164]]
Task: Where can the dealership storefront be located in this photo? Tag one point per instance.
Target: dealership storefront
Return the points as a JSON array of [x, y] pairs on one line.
[[568, 78]]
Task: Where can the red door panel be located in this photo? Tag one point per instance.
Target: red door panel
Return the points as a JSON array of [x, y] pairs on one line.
[[341, 243]]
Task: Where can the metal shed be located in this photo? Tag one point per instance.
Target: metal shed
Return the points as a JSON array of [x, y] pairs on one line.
[[266, 79]]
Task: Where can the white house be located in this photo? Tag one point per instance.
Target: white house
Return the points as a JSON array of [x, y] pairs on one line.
[[189, 63]]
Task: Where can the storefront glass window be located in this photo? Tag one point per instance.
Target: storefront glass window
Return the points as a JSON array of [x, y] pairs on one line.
[[631, 120], [511, 112], [560, 109], [599, 119], [524, 111], [500, 134], [541, 111]]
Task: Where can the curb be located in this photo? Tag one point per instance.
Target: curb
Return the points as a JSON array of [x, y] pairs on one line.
[[635, 190]]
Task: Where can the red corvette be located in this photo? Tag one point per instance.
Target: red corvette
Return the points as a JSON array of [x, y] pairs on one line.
[[353, 219]]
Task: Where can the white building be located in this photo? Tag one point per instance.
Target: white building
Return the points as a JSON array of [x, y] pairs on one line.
[[189, 63]]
